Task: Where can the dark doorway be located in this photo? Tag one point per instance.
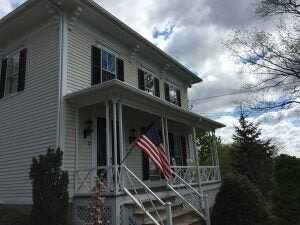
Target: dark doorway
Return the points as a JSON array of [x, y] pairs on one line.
[[101, 142]]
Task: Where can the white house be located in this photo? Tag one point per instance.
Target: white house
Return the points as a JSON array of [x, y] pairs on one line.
[[73, 76]]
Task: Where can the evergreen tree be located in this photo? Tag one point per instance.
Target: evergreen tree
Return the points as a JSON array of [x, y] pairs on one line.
[[239, 202], [286, 196], [251, 156], [49, 190]]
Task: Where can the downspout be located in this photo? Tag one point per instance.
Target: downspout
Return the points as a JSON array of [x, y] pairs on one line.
[[62, 71]]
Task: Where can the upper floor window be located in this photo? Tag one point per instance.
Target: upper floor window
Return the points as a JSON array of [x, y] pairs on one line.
[[106, 66], [148, 82], [13, 70], [172, 94]]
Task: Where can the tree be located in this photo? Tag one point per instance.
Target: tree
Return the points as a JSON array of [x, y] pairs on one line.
[[286, 197], [225, 159], [96, 205], [49, 189], [251, 156], [277, 7], [272, 59], [209, 144], [239, 202]]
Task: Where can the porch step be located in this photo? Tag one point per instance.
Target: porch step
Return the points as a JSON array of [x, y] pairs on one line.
[[181, 215]]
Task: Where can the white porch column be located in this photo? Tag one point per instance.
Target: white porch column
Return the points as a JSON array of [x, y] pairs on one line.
[[76, 152], [197, 160], [108, 146], [115, 147], [121, 139], [163, 131], [121, 131], [167, 138]]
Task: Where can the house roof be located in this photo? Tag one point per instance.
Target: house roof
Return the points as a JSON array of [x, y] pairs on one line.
[[147, 47], [117, 89]]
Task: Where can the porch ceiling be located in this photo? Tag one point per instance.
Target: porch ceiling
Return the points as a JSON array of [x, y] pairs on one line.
[[139, 99]]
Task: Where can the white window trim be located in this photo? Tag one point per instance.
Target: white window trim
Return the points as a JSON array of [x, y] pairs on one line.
[[8, 56], [176, 88], [110, 51], [115, 72], [143, 68]]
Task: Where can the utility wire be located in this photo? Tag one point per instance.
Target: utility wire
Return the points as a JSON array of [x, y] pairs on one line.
[[241, 91]]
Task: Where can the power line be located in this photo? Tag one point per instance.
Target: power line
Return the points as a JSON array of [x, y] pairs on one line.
[[234, 93]]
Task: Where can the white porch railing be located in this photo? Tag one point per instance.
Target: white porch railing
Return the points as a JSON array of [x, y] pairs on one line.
[[85, 178], [208, 175]]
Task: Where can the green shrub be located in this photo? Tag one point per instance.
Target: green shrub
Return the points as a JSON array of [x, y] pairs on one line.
[[49, 190], [13, 216], [286, 195], [239, 202]]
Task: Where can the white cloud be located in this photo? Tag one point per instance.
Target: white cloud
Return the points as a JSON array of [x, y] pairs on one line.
[[5, 7]]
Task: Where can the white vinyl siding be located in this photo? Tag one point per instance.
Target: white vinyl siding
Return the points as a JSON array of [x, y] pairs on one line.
[[29, 119], [83, 37]]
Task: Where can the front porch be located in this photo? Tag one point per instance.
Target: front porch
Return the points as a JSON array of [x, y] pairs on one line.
[[109, 119]]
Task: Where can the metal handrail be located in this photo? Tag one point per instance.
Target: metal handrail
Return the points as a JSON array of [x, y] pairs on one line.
[[140, 205], [144, 185], [167, 206], [186, 202], [183, 198], [187, 184]]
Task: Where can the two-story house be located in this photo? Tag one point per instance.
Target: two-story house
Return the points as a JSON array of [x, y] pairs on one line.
[[73, 76]]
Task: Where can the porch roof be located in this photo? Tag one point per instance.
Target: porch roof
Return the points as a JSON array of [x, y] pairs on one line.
[[139, 99]]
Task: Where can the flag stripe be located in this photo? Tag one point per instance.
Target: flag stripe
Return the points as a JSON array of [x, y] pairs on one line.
[[149, 153], [148, 149], [153, 150], [151, 145]]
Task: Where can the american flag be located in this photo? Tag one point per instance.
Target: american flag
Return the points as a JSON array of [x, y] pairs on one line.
[[150, 143]]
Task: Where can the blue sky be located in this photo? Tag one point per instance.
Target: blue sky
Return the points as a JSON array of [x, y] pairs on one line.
[[194, 32]]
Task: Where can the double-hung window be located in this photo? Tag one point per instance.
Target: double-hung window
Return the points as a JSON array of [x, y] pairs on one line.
[[12, 74], [172, 94], [148, 82], [13, 70], [106, 66]]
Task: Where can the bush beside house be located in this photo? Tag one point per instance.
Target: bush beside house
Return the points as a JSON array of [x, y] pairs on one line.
[[49, 190], [14, 216], [239, 202]]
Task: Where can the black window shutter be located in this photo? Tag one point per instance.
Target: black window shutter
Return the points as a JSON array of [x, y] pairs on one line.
[[156, 87], [167, 92], [178, 94], [120, 68], [22, 69], [141, 76], [3, 77], [96, 65], [146, 164]]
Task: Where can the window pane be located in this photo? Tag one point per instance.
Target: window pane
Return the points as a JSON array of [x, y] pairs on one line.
[[149, 83], [15, 64], [11, 84], [108, 62], [104, 60], [173, 95], [111, 63]]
